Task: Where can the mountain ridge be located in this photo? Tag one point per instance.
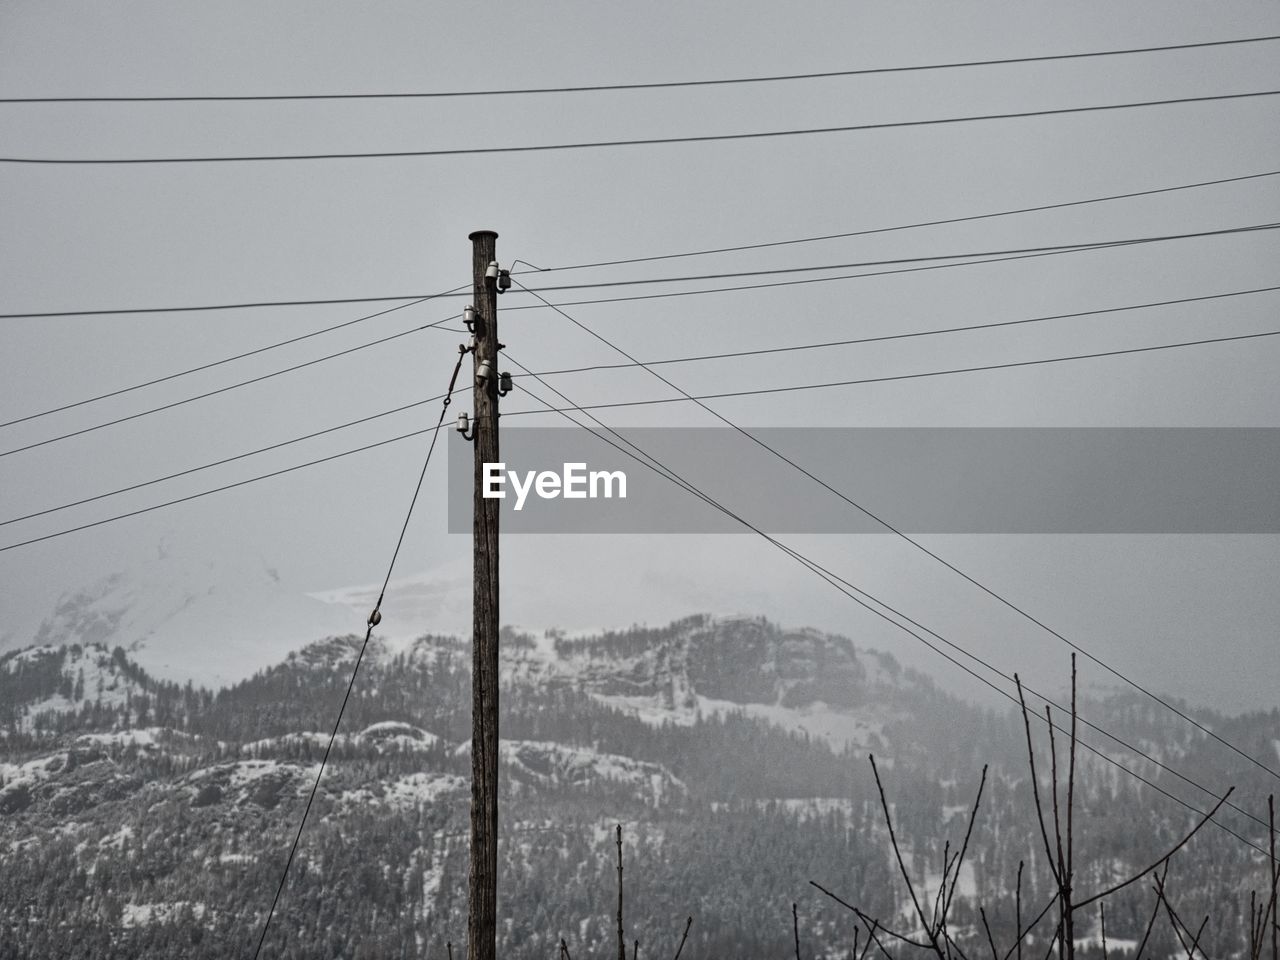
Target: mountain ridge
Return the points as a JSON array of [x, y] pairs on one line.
[[188, 798]]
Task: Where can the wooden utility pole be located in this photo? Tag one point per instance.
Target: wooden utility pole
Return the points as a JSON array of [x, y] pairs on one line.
[[622, 940], [482, 892]]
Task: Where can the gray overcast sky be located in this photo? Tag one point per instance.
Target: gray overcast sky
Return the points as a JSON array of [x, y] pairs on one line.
[[1192, 615]]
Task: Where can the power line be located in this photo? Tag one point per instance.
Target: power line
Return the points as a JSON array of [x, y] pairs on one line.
[[597, 406], [649, 141], [614, 366], [224, 461], [219, 489], [845, 587], [906, 226], [238, 356], [1054, 248], [739, 287], [219, 390], [897, 336], [743, 287], [658, 85], [685, 398], [415, 297], [456, 291], [892, 529], [374, 618]]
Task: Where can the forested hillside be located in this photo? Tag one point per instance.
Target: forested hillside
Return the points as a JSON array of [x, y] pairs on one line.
[[144, 819]]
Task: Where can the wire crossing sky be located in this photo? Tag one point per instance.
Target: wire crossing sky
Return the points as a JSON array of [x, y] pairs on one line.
[[648, 141], [652, 85], [798, 146]]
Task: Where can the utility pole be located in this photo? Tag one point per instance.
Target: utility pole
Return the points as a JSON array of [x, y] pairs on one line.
[[482, 892]]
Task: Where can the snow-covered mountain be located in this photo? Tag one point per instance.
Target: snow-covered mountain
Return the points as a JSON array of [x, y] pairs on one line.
[[213, 622], [153, 819], [801, 680]]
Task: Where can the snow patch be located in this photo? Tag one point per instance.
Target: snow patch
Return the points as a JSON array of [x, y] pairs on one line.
[[145, 914]]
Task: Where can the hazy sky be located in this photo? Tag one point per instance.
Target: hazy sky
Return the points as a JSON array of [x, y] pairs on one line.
[[1193, 615]]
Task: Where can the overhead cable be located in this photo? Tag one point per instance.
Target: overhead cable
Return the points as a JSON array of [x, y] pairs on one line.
[[239, 356], [654, 85], [374, 619], [648, 141], [919, 546]]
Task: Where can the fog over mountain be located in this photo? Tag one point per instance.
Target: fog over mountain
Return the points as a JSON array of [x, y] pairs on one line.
[[153, 818]]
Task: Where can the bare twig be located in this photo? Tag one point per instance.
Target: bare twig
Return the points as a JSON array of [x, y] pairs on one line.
[[449, 946], [1255, 927], [1023, 931], [683, 938], [939, 899], [795, 922], [1057, 935], [1017, 908], [1102, 927], [951, 944], [987, 927], [1064, 879], [1163, 860], [1196, 942], [1035, 781], [1069, 870], [884, 803], [872, 926], [1174, 920], [1275, 876], [1151, 922], [964, 847], [564, 950], [866, 920]]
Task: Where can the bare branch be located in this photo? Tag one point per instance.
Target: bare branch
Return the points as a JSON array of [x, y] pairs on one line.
[[1146, 934], [1023, 931], [1275, 876], [1064, 879], [1017, 921], [795, 922], [1053, 778], [939, 913], [1071, 770], [683, 938], [1177, 924], [1035, 781], [897, 852], [1196, 942], [987, 927], [950, 943], [1255, 927], [973, 816], [865, 919], [1056, 938], [1163, 860], [872, 926]]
